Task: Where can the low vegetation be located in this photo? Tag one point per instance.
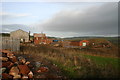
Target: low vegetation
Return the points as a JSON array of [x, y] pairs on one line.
[[75, 63], [103, 61]]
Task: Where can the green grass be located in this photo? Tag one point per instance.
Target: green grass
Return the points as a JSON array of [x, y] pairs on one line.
[[100, 61], [115, 62], [67, 70]]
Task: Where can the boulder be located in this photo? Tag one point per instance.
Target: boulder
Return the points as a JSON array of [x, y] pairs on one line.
[[3, 59], [24, 70], [14, 71], [42, 69], [30, 75], [13, 59]]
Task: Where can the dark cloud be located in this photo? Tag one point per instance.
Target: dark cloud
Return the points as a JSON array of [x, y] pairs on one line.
[[97, 20]]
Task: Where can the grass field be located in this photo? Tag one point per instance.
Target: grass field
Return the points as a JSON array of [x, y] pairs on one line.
[[104, 60], [76, 63]]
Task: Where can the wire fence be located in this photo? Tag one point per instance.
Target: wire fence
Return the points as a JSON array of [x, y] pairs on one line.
[[10, 43]]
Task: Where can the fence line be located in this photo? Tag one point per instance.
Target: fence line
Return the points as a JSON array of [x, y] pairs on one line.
[[10, 43]]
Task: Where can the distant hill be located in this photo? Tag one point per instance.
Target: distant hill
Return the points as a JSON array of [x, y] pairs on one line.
[[114, 40], [88, 37], [5, 34], [80, 38], [53, 37]]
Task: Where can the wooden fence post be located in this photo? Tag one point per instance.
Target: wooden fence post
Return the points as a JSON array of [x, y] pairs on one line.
[[75, 60]]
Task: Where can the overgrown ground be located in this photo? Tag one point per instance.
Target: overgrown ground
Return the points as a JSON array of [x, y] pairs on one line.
[[74, 63]]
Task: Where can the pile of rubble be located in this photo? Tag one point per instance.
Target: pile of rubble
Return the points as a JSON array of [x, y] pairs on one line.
[[13, 67]]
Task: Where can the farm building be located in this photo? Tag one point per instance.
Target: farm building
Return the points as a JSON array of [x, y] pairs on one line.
[[40, 38], [82, 43], [20, 34]]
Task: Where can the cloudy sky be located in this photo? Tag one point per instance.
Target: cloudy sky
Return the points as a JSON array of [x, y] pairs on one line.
[[61, 19]]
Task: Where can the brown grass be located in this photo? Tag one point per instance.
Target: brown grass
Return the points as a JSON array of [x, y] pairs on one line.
[[71, 61]]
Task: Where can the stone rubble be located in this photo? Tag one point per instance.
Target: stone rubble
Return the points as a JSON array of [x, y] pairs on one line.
[[14, 67]]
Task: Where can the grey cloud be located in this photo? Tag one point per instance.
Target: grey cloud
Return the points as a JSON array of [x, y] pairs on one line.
[[102, 20]]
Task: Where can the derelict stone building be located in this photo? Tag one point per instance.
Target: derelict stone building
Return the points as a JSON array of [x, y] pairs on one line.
[[20, 34]]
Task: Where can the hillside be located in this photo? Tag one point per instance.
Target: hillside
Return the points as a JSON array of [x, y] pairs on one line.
[[114, 40], [5, 34]]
